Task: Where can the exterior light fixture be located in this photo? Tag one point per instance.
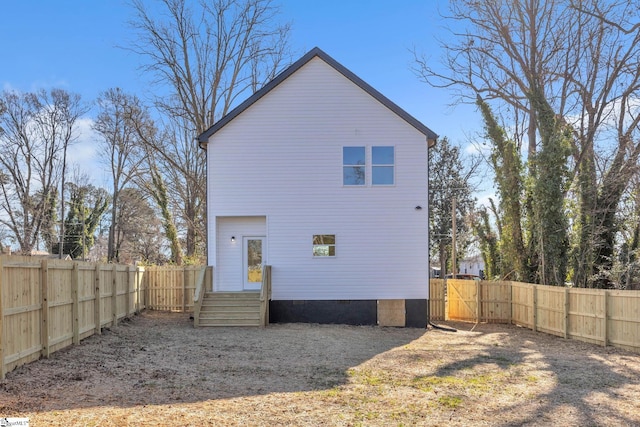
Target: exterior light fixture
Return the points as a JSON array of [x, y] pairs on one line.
[[418, 208], [233, 239]]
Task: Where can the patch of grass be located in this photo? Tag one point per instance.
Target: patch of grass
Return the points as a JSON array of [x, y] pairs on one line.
[[332, 392], [477, 383], [371, 378], [451, 402], [367, 415], [428, 383]]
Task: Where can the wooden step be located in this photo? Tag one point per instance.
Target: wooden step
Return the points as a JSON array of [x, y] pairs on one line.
[[230, 309], [228, 323], [230, 302]]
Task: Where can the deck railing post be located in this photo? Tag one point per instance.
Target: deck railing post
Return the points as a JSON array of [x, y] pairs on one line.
[[265, 295]]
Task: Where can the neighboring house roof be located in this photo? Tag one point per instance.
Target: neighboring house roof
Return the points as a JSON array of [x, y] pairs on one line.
[[36, 252], [473, 258], [430, 135]]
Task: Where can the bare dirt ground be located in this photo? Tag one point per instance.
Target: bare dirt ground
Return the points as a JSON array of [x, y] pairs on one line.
[[156, 369]]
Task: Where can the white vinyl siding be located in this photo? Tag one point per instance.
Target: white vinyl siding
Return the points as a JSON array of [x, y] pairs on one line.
[[228, 275], [282, 159]]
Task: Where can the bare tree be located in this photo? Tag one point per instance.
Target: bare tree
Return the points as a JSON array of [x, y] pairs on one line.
[[153, 184], [118, 122], [210, 54], [139, 229], [581, 60], [207, 54], [37, 131], [173, 177]]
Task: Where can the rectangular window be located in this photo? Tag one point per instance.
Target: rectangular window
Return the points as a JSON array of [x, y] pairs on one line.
[[382, 165], [353, 165], [324, 245]]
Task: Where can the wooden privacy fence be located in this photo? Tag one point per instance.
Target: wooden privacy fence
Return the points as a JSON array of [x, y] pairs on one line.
[[605, 317], [47, 305], [170, 288]]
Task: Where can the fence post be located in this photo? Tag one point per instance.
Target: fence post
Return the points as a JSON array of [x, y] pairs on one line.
[[478, 302], [2, 371], [185, 276], [140, 276], [131, 290], [114, 296], [605, 326], [97, 308], [566, 312], [444, 305], [510, 296], [44, 299], [148, 295], [445, 296], [535, 308], [75, 273]]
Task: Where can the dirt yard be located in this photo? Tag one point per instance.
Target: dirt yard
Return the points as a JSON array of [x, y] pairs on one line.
[[156, 369]]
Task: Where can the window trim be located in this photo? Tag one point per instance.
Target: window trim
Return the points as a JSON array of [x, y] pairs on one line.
[[363, 166], [369, 166], [329, 245], [384, 165]]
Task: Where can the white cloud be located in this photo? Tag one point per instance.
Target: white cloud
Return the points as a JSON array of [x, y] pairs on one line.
[[85, 153], [483, 198]]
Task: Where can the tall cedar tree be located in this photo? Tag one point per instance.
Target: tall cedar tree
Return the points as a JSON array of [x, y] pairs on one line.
[[449, 178]]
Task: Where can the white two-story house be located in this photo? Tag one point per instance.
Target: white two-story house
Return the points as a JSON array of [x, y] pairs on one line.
[[325, 179]]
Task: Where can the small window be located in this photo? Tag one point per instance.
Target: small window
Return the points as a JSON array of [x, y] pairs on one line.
[[324, 245], [353, 165], [382, 165]]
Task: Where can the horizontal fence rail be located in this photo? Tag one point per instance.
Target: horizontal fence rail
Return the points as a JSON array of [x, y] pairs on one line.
[[47, 305], [597, 316], [171, 288]]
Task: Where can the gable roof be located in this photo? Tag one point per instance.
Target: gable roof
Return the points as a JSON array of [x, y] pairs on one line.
[[429, 134]]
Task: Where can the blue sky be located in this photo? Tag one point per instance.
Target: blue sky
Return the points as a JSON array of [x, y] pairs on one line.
[[74, 44]]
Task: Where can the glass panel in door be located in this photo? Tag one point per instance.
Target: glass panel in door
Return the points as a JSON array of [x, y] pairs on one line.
[[253, 261]]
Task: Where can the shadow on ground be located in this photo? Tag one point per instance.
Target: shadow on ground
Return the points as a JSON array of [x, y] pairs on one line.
[[587, 382], [159, 358]]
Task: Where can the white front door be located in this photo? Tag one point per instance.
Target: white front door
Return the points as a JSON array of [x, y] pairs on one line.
[[253, 258]]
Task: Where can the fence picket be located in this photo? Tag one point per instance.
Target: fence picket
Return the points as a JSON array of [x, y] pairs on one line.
[[602, 317], [595, 316], [44, 308]]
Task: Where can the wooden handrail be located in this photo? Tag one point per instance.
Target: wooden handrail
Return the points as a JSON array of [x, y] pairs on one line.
[[198, 295], [265, 295]]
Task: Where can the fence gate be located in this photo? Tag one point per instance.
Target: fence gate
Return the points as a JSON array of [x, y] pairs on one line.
[[463, 299]]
